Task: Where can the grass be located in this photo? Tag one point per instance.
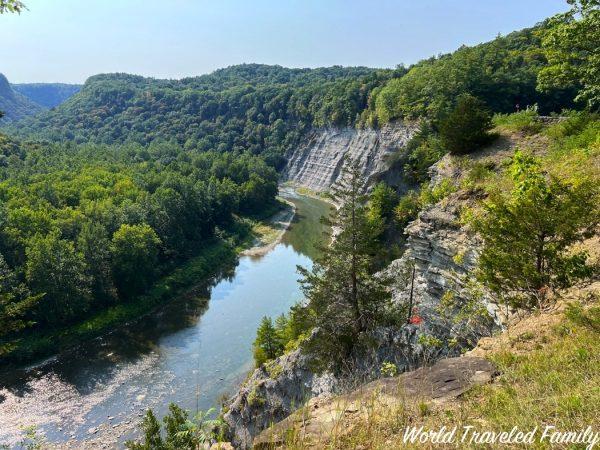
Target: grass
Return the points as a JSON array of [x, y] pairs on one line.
[[191, 273], [554, 380], [550, 370], [523, 121]]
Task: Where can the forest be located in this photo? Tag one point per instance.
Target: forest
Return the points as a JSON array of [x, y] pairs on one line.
[[88, 227]]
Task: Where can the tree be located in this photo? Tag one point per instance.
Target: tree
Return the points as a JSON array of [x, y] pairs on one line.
[[180, 431], [382, 201], [267, 344], [466, 128], [135, 255], [528, 234], [54, 268], [571, 47], [346, 299], [16, 303], [11, 6], [95, 247]]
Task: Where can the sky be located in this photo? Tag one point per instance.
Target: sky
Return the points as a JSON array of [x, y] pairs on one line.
[[70, 40]]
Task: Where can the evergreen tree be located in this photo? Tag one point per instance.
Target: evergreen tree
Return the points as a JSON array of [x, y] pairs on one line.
[[466, 128], [528, 234], [347, 300], [267, 344]]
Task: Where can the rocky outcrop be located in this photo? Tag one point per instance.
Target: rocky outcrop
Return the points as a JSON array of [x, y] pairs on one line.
[[322, 418], [318, 163], [452, 311], [272, 392]]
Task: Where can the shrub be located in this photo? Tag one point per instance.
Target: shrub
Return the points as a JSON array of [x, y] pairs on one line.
[[528, 234], [467, 126]]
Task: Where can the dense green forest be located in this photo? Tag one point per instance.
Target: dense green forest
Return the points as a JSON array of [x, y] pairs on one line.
[[49, 95], [266, 109], [255, 108], [86, 227]]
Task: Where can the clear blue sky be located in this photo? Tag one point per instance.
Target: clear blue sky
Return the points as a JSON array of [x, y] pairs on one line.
[[69, 40]]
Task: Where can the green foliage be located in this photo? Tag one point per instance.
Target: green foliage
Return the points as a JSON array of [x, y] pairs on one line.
[[48, 95], [407, 209], [178, 432], [54, 267], [382, 201], [16, 303], [502, 72], [570, 44], [14, 105], [589, 317], [135, 255], [86, 227], [388, 369], [528, 234], [345, 298], [272, 340], [430, 195], [267, 344], [249, 108], [466, 128], [525, 121], [11, 6], [424, 149]]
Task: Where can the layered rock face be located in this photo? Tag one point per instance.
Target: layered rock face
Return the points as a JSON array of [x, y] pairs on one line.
[[318, 164], [444, 254]]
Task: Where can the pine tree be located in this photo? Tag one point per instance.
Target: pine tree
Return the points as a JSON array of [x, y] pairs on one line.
[[347, 300], [267, 344]]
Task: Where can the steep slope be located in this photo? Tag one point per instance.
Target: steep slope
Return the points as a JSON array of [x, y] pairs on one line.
[[49, 95], [514, 379], [317, 164], [443, 252], [13, 104]]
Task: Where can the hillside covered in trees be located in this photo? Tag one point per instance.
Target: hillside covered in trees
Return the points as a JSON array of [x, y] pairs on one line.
[[14, 105], [49, 95], [266, 109]]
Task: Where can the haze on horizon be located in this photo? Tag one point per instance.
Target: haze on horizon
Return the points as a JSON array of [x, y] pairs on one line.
[[70, 40]]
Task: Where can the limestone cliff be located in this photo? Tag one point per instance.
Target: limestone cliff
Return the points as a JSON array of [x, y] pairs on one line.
[[318, 163]]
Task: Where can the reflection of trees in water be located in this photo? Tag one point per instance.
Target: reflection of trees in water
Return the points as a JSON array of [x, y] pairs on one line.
[[97, 361], [306, 232]]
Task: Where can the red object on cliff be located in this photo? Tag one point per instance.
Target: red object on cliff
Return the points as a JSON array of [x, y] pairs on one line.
[[416, 320]]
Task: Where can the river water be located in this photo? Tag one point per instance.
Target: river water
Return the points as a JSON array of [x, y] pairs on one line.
[[191, 352]]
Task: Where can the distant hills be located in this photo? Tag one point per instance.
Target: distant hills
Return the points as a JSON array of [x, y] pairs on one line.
[[15, 105], [20, 100], [48, 95]]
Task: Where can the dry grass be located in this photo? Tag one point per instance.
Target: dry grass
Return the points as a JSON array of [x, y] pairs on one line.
[[550, 375]]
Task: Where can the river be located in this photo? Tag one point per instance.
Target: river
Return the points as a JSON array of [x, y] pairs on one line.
[[191, 352]]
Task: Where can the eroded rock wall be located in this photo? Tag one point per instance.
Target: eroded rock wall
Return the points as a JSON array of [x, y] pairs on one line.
[[318, 163]]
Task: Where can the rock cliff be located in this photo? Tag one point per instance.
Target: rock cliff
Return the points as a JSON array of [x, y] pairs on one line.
[[443, 253], [318, 163]]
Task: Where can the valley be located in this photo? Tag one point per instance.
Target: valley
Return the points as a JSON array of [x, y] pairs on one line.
[[268, 257], [192, 351]]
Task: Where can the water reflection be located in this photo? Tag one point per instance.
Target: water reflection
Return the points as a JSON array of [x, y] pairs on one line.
[[191, 351]]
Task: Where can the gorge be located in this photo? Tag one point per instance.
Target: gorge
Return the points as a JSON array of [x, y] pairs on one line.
[[192, 351]]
